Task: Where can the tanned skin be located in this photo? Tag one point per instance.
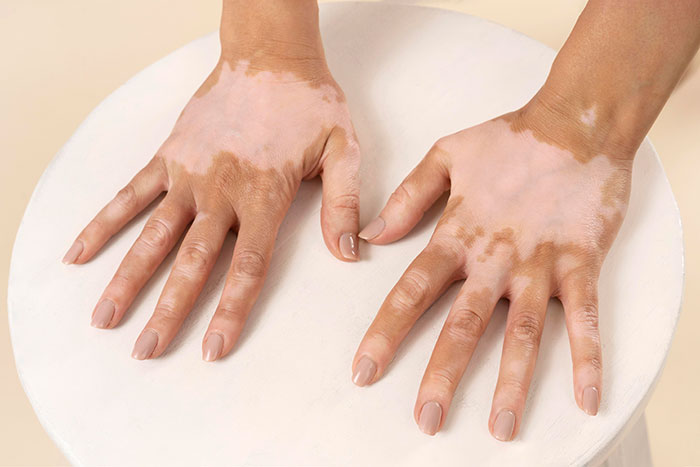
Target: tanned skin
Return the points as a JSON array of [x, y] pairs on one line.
[[536, 199], [268, 116], [537, 196]]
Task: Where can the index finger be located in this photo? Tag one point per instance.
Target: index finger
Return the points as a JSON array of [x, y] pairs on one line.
[[425, 279]]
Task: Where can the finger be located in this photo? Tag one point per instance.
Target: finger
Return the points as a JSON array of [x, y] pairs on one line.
[[523, 331], [193, 264], [132, 199], [425, 279], [160, 234], [407, 204], [579, 295], [463, 328], [340, 209], [251, 259]]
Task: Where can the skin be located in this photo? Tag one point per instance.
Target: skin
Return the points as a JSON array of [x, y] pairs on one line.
[[536, 199], [536, 195], [263, 121]]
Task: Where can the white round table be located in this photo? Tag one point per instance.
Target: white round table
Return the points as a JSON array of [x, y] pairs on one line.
[[285, 395]]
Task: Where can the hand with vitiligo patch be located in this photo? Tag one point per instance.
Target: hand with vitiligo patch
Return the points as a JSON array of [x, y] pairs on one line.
[[269, 116], [536, 197]]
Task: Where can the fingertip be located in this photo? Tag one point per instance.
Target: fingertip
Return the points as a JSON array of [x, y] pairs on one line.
[[504, 425], [73, 253], [430, 417], [104, 312], [373, 229], [590, 400], [145, 345], [364, 372], [212, 347], [349, 246]]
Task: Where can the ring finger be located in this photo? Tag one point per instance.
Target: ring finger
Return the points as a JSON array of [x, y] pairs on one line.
[[157, 238]]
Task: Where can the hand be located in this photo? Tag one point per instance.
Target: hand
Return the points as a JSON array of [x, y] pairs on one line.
[[530, 215], [235, 159]]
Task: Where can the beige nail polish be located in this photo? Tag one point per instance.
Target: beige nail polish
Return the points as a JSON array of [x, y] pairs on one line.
[[212, 347], [373, 229], [364, 371], [73, 252], [590, 400], [348, 246], [429, 418], [103, 314], [145, 345], [504, 425]]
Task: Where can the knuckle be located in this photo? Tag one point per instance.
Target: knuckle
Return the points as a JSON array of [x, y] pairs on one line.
[[527, 328], [442, 378], [195, 256], [348, 202], [382, 339], [466, 325], [126, 197], [440, 143], [249, 264], [449, 244], [513, 385], [230, 312], [352, 148], [121, 280], [156, 234], [594, 360], [401, 195], [166, 311], [587, 317], [411, 291], [95, 227]]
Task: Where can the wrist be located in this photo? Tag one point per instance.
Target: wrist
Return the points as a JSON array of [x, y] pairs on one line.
[[587, 127], [270, 32]]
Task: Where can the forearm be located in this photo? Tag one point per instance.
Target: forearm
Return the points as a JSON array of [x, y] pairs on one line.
[[286, 29], [615, 73]]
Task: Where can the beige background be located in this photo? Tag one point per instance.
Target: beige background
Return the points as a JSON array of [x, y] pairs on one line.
[[61, 58]]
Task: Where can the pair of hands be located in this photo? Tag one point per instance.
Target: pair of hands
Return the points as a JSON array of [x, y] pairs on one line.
[[531, 215]]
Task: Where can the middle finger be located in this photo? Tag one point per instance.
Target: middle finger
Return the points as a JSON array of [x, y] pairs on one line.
[[520, 346], [193, 264], [463, 328]]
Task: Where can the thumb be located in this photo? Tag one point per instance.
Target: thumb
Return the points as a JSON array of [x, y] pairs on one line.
[[407, 204], [340, 208]]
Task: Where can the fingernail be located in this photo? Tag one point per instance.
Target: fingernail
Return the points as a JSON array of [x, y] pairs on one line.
[[103, 314], [73, 252], [212, 347], [348, 246], [145, 345], [429, 419], [364, 371], [373, 229], [590, 400], [504, 425]]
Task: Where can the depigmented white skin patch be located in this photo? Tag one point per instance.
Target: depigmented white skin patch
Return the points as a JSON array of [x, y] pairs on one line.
[[528, 218], [531, 215], [541, 192], [588, 117], [265, 118], [234, 160]]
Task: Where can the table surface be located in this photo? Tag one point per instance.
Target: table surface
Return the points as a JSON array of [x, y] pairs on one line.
[[284, 396]]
